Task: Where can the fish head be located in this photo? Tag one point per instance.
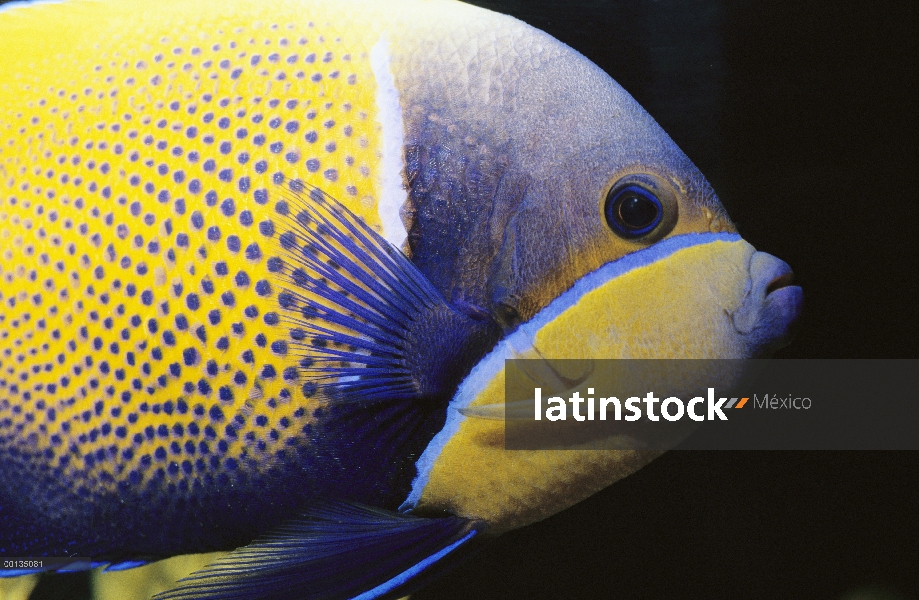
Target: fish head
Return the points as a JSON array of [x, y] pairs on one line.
[[529, 168], [606, 182], [609, 243]]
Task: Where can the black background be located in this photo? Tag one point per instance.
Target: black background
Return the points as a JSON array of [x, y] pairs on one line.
[[803, 117]]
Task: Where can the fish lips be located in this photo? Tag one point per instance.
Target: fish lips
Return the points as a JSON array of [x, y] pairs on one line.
[[770, 311]]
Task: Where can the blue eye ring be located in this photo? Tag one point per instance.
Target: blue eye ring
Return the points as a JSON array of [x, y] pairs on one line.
[[633, 211]]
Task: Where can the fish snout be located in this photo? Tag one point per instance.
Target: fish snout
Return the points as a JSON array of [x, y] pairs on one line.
[[772, 306]]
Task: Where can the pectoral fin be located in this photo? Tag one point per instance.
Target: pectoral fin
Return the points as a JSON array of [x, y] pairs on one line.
[[367, 323]]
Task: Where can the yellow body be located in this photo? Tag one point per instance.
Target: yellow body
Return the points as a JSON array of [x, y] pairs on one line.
[[114, 100]]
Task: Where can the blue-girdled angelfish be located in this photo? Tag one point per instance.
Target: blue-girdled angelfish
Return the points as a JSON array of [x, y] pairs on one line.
[[261, 261]]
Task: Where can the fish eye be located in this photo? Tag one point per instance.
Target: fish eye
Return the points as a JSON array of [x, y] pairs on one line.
[[640, 208], [632, 212]]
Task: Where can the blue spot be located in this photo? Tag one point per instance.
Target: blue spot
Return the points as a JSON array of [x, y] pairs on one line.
[[190, 356], [253, 252], [288, 240], [275, 264]]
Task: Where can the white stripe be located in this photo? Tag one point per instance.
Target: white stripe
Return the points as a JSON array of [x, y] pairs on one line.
[[389, 115], [521, 340]]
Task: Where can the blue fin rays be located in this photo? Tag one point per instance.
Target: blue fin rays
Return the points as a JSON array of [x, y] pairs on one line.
[[335, 550], [364, 322], [350, 300]]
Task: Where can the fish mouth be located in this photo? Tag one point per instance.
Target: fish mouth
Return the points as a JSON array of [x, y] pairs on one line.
[[768, 315]]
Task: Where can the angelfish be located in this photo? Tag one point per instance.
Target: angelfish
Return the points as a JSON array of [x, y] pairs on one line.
[[260, 262]]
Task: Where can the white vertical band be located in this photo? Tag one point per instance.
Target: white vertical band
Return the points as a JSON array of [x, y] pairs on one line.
[[389, 115]]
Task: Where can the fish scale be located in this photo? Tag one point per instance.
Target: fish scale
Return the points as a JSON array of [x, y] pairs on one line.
[[140, 335]]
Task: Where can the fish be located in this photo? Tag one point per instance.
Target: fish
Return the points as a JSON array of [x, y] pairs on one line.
[[263, 262]]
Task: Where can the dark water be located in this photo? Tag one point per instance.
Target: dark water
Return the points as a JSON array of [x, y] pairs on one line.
[[803, 117]]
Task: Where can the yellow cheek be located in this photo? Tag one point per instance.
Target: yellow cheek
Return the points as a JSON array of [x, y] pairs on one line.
[[672, 308]]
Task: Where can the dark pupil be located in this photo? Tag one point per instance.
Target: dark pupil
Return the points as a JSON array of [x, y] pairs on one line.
[[636, 211]]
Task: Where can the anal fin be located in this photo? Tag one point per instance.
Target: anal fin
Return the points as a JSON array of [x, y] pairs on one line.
[[334, 551]]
